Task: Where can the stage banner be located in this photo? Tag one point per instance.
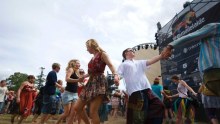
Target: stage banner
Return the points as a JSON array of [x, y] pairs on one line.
[[184, 60]]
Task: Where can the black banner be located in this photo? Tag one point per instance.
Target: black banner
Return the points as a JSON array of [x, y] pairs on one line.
[[184, 60]]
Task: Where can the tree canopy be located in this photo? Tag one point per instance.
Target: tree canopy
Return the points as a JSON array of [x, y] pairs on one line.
[[14, 81]]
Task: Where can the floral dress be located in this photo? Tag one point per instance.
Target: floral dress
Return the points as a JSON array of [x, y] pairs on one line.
[[97, 83]]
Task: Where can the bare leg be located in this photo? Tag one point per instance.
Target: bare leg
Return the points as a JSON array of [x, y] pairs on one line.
[[48, 117], [35, 118], [94, 108], [115, 110], [214, 121], [166, 119], [13, 118], [78, 107], [21, 119], [43, 118], [72, 114], [65, 114], [171, 112]]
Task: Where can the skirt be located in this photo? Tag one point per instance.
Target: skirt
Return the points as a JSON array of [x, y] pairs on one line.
[[96, 86]]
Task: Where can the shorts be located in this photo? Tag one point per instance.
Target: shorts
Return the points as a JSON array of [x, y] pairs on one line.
[[167, 103], [69, 97], [49, 104]]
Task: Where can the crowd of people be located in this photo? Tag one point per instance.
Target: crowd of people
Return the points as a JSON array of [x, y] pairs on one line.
[[86, 97]]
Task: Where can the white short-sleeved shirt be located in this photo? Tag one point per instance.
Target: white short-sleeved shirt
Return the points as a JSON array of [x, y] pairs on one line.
[[133, 72], [3, 91]]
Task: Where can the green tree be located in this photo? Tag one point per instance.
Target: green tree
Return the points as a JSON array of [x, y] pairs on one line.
[[39, 81], [40, 78], [14, 81]]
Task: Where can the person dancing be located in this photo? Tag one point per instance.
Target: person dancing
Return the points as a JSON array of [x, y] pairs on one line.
[[70, 95], [95, 91], [143, 106], [182, 106], [25, 97], [49, 98]]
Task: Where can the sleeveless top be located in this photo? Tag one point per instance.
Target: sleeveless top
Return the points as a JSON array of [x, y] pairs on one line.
[[182, 91], [27, 88], [72, 87], [96, 65]]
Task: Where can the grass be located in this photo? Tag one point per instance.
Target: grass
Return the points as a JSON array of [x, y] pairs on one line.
[[5, 119]]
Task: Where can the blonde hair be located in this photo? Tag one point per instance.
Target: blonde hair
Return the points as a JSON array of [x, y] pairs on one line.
[[92, 43], [71, 64]]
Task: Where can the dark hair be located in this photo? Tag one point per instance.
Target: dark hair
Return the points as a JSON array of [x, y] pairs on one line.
[[30, 77], [165, 87], [2, 81], [175, 77], [123, 53], [156, 81]]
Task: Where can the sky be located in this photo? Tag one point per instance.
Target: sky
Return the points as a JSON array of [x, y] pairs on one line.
[[37, 33]]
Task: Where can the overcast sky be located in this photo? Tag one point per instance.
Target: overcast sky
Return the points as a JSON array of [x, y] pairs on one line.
[[36, 33]]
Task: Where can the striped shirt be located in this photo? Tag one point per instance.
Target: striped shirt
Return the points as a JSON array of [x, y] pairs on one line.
[[209, 38]]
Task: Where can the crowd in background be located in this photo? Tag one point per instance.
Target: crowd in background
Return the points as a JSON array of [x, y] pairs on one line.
[[86, 96]]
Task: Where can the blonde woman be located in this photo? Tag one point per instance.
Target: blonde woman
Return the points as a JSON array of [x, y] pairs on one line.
[[95, 90], [70, 94]]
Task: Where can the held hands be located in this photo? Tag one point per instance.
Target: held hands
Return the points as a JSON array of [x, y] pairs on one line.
[[116, 79], [195, 94], [34, 90], [62, 89], [167, 51], [169, 97], [81, 79], [18, 100]]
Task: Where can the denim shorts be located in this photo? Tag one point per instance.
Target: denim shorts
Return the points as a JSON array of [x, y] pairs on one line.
[[69, 97], [49, 104]]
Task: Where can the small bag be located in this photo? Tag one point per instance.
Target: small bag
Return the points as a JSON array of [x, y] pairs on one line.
[[194, 100]]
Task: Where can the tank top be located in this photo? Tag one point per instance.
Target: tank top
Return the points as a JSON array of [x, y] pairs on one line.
[[182, 90], [96, 65], [72, 87]]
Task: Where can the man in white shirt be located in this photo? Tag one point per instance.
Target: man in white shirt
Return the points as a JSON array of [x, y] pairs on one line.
[[3, 91], [143, 106]]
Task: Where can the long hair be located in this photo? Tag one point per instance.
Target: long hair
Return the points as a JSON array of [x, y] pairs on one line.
[[71, 64], [92, 43]]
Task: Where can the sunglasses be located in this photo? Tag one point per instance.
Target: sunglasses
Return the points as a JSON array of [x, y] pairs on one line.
[[130, 50], [81, 72]]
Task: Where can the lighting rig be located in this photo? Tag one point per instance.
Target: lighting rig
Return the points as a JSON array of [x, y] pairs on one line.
[[145, 46]]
